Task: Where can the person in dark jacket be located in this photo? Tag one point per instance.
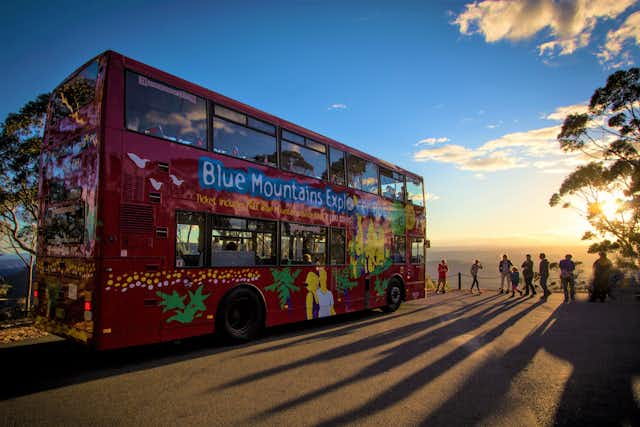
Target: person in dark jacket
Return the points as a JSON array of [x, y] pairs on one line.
[[543, 270], [527, 273], [602, 270], [567, 278], [475, 267], [515, 280]]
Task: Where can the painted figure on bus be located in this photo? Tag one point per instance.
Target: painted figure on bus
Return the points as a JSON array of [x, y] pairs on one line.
[[313, 307], [325, 297]]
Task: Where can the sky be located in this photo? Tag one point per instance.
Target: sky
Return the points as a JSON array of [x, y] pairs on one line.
[[470, 95]]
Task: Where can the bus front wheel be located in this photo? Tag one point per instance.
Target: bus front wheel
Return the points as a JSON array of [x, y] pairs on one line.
[[394, 296], [241, 315]]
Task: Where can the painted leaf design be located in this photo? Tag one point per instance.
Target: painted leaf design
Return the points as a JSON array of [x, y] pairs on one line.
[[196, 299], [171, 301], [342, 281], [283, 284], [184, 313]]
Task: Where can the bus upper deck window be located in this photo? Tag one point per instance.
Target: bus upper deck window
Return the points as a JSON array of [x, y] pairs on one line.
[[415, 192], [156, 109]]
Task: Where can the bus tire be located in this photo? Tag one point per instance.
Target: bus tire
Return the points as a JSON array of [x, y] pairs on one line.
[[240, 315], [394, 296]]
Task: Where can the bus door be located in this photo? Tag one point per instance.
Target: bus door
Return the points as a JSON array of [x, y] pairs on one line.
[[416, 268]]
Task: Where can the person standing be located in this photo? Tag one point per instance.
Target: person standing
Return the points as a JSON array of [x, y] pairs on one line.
[[543, 270], [475, 267], [567, 267], [527, 273], [602, 270], [504, 266], [515, 280], [443, 268]]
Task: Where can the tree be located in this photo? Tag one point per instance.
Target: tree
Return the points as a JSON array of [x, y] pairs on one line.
[[20, 145], [606, 191]]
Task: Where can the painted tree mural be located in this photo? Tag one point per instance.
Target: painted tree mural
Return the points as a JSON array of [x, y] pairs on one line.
[[184, 313], [283, 284]]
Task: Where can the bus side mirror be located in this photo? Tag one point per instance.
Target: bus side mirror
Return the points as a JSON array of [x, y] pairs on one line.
[[427, 244]]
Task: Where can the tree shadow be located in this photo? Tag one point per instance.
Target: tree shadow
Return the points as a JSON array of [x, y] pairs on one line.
[[402, 353], [370, 342], [350, 329], [599, 390]]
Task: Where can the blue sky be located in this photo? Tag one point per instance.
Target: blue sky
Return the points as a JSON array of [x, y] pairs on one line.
[[463, 93]]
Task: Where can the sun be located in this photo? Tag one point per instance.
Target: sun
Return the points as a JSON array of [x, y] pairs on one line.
[[609, 204]]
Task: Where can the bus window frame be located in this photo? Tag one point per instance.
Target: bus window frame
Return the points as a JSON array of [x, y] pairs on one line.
[[404, 185], [330, 251], [348, 182], [288, 141], [424, 254], [208, 113], [344, 167], [101, 69], [211, 228], [326, 245], [246, 125], [406, 190], [205, 251]]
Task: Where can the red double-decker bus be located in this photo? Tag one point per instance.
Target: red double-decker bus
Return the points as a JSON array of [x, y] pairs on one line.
[[169, 211]]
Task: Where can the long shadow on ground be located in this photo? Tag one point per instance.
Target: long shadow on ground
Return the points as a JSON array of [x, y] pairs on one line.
[[44, 366], [363, 344], [599, 390], [408, 350]]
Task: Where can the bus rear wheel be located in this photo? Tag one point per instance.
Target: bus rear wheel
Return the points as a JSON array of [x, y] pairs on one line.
[[394, 296], [241, 315]]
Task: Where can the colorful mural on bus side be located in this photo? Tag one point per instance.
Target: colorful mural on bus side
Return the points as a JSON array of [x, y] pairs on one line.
[[371, 222]]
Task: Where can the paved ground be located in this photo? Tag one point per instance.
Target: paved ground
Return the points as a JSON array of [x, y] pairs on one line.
[[452, 359]]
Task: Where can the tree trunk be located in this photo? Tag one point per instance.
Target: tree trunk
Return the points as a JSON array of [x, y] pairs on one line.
[[32, 261]]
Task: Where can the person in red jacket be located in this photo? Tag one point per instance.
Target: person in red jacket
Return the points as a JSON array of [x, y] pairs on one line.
[[443, 268]]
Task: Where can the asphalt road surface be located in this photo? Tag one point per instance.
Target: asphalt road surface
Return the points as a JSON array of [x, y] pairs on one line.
[[454, 359]]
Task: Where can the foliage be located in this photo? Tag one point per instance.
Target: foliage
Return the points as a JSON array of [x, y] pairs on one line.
[[380, 285], [20, 144], [5, 287], [184, 313], [342, 280], [606, 191], [283, 283]]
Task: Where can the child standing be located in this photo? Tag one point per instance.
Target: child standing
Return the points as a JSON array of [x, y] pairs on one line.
[[515, 280]]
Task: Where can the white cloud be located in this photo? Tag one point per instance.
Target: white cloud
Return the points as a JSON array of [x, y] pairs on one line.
[[570, 24], [612, 54], [337, 107], [480, 176], [562, 112], [431, 196], [537, 148], [536, 142], [432, 141], [468, 159], [557, 171]]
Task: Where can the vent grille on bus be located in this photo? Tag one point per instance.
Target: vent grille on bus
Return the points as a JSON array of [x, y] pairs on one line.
[[154, 197], [136, 218], [162, 232], [133, 188]]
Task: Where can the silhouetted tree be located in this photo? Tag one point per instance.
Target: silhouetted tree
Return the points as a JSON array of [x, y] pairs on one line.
[[608, 133], [20, 144]]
